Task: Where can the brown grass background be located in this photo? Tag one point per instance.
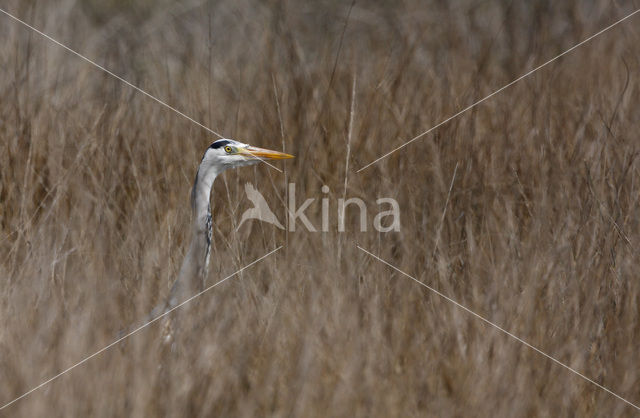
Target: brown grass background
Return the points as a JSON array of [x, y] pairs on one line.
[[540, 234]]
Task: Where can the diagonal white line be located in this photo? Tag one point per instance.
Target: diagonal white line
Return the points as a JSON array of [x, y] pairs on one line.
[[95, 64], [499, 90], [135, 330], [262, 160], [499, 328]]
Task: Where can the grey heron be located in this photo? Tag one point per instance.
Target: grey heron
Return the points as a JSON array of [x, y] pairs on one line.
[[221, 155]]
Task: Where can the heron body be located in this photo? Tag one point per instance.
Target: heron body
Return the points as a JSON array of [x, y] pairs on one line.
[[220, 156]]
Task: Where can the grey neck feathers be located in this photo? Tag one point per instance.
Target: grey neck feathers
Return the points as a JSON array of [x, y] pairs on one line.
[[196, 262]]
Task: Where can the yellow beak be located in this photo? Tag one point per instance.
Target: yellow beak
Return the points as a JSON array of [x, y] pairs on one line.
[[264, 153]]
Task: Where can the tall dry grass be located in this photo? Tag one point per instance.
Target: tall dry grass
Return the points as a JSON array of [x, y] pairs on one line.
[[537, 231]]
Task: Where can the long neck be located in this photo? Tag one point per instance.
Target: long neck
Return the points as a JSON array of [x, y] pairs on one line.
[[196, 261], [201, 198], [201, 206]]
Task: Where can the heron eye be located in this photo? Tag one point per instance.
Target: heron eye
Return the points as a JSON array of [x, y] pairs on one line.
[[228, 149]]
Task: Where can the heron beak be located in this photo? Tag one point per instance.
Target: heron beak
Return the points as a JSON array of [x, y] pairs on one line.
[[264, 154]]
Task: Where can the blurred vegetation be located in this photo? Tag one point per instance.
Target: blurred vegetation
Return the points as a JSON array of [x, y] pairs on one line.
[[538, 233]]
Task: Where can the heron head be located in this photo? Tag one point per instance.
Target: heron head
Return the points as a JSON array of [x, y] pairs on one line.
[[228, 153]]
